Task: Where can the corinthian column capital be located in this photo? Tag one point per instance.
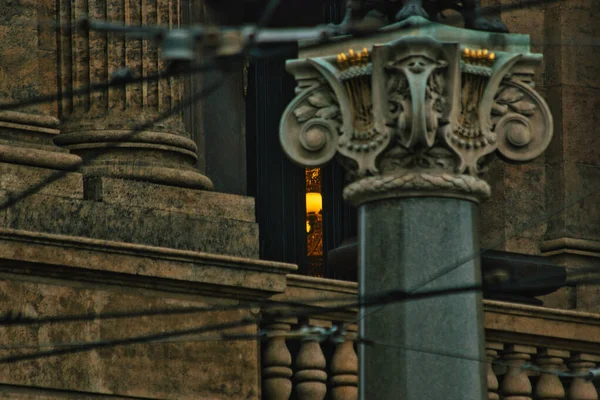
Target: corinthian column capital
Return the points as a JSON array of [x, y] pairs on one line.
[[419, 115]]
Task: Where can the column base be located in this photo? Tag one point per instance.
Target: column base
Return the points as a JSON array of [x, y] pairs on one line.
[[150, 156], [26, 139]]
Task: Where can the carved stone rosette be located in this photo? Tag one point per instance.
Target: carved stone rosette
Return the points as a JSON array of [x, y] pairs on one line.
[[416, 116]]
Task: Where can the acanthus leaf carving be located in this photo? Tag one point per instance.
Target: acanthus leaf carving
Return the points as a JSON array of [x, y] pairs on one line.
[[418, 108], [304, 113]]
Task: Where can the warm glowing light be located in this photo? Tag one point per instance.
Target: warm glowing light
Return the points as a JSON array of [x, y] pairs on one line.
[[314, 203], [308, 227]]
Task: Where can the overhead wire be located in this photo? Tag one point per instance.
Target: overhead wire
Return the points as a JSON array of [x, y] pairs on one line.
[[590, 375], [213, 63], [224, 326], [388, 297], [15, 318], [453, 266]]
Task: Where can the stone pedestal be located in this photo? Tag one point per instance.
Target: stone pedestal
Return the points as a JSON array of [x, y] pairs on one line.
[[415, 121], [98, 126]]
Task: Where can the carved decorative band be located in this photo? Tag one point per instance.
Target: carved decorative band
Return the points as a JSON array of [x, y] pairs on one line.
[[412, 184]]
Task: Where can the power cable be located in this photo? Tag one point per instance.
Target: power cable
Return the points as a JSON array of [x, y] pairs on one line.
[[589, 376], [465, 260], [394, 296], [17, 319]]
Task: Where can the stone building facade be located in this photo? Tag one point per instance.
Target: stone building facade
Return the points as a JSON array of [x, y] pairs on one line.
[[131, 222]]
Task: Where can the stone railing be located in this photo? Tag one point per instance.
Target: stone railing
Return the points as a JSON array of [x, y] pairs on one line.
[[540, 339]]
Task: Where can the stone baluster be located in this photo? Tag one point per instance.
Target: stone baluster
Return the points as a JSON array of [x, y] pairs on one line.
[[310, 377], [491, 351], [549, 386], [276, 363], [344, 369], [516, 384], [580, 388]]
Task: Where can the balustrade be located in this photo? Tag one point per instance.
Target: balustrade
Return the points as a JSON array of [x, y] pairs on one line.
[[276, 363], [344, 370], [310, 376], [532, 353]]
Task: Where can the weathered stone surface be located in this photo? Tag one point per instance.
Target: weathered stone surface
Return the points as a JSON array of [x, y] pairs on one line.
[[572, 195], [169, 198], [141, 225], [31, 254], [132, 131], [188, 368], [492, 212], [525, 210], [45, 275], [17, 179]]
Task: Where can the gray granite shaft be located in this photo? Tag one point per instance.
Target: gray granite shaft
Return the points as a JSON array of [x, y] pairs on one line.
[[403, 244]]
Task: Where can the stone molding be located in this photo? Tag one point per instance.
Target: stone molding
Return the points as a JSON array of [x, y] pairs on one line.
[[541, 327], [565, 245], [82, 261], [412, 184], [26, 139], [414, 116], [300, 288], [504, 322]]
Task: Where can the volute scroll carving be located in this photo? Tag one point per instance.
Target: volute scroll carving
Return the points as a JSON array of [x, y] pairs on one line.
[[416, 116]]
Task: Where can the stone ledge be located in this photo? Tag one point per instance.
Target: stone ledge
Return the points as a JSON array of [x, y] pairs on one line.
[[542, 327], [327, 285], [43, 121], [303, 288], [565, 245], [23, 392], [512, 42], [139, 225], [98, 261]]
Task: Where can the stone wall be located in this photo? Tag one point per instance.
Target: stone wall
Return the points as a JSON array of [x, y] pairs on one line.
[[536, 207]]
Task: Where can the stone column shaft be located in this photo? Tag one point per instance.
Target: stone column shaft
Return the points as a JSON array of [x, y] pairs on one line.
[[403, 244], [98, 125], [415, 121]]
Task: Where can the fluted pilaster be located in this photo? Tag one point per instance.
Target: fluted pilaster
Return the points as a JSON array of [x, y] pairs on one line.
[[97, 126]]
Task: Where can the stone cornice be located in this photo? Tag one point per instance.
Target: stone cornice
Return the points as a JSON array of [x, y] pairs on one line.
[[542, 327], [504, 322], [327, 285], [332, 292], [571, 246], [31, 255], [419, 26]]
